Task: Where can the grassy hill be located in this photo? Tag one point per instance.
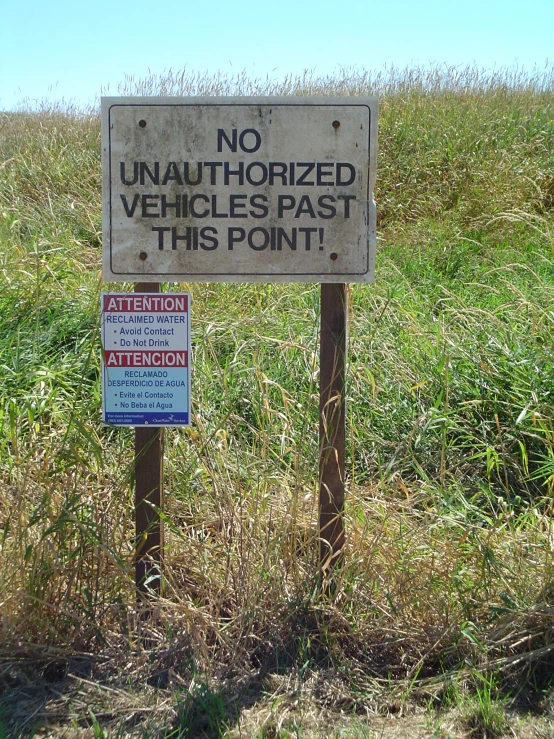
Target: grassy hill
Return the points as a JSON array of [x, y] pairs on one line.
[[447, 595]]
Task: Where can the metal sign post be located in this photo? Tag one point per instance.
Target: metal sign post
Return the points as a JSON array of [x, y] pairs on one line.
[[148, 496], [334, 310]]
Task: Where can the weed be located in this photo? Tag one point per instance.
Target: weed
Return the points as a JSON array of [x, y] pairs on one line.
[[485, 715]]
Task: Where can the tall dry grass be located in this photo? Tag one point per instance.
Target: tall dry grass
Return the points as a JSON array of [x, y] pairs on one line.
[[450, 454]]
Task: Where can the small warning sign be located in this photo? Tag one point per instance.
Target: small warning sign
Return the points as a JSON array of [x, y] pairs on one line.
[[145, 359]]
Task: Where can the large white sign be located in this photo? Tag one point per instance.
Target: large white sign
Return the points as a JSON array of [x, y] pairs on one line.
[[239, 189]]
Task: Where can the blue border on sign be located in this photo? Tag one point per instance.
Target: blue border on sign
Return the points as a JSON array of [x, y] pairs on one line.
[[147, 419]]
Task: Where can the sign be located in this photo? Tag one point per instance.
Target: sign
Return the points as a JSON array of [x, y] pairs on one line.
[[239, 189], [145, 359]]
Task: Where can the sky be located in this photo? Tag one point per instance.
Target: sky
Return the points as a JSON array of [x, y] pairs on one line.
[[75, 51]]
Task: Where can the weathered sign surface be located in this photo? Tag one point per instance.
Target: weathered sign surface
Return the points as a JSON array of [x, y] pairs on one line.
[[145, 359], [239, 189]]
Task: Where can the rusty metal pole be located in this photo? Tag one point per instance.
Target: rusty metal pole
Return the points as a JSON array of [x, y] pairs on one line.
[[148, 497], [334, 309]]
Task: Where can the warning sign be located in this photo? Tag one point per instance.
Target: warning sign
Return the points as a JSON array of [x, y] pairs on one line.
[[145, 359], [239, 189]]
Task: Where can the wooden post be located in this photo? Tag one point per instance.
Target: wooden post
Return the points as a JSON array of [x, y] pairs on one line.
[[148, 496], [334, 306]]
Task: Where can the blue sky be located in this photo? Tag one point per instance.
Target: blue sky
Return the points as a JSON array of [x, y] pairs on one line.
[[73, 50]]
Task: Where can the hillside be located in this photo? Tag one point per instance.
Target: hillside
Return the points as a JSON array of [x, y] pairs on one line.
[[447, 594]]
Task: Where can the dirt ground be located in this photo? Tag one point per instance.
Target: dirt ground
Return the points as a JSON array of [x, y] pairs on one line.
[[77, 708]]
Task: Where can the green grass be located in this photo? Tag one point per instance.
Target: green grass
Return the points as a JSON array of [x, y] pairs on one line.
[[449, 567]]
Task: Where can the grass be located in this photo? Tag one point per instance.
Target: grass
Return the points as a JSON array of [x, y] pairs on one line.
[[448, 576]]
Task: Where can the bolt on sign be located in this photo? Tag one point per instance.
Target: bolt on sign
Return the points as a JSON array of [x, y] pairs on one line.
[[239, 189], [145, 359]]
